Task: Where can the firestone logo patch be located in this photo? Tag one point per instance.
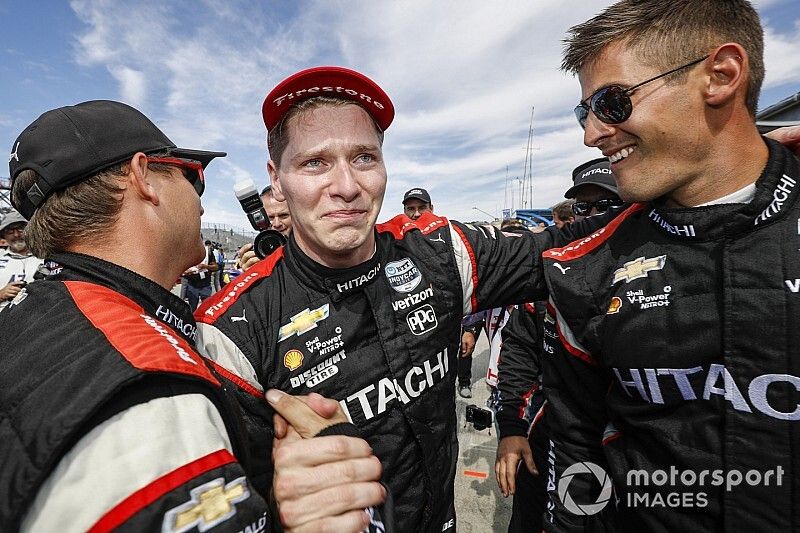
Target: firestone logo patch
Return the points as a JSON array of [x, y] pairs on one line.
[[403, 275]]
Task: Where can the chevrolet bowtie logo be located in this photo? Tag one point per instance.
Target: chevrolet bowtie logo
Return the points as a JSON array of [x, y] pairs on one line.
[[304, 321], [638, 268], [212, 503]]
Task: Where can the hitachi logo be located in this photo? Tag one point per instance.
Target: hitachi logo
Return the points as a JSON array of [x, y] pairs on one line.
[[686, 230], [779, 196], [188, 329], [415, 382], [595, 171], [412, 299], [359, 281], [645, 384]]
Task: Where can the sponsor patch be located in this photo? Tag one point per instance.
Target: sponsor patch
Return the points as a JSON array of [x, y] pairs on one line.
[[326, 346], [188, 329], [293, 359], [354, 283], [303, 322], [319, 373], [412, 299], [646, 301], [613, 307], [212, 503], [374, 399], [403, 275], [422, 320], [638, 268], [779, 197]]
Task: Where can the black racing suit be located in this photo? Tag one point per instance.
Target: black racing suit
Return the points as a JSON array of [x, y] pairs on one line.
[[108, 416], [521, 410], [677, 366], [381, 337]]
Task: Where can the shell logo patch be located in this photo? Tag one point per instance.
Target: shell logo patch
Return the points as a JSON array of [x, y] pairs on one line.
[[293, 359]]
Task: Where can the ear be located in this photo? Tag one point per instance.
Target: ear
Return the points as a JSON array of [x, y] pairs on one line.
[[729, 68], [140, 179], [275, 181]]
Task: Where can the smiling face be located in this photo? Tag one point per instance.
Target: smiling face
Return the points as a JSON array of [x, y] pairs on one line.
[[333, 178], [663, 148]]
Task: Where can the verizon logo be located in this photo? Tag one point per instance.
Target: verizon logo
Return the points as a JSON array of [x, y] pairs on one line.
[[793, 284]]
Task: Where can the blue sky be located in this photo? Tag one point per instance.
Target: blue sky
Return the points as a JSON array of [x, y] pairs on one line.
[[463, 76]]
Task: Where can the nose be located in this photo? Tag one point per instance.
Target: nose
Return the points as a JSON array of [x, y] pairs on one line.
[[596, 130], [344, 183]]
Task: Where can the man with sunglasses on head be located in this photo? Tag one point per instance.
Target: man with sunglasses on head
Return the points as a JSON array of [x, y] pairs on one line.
[[111, 419], [676, 356]]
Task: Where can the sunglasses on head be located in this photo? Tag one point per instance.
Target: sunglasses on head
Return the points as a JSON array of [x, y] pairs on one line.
[[612, 104], [583, 209], [193, 170]]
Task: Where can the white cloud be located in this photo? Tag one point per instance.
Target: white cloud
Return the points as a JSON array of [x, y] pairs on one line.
[[133, 85], [463, 76]]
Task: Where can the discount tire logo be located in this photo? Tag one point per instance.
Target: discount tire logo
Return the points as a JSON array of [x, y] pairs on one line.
[[584, 509]]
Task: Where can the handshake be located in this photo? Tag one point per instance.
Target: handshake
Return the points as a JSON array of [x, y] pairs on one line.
[[326, 477]]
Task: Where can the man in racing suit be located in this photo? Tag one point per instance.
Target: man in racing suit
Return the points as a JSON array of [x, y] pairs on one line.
[[110, 417], [379, 334], [675, 375]]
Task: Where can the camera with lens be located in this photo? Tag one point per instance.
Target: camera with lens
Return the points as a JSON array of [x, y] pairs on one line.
[[479, 418], [268, 240]]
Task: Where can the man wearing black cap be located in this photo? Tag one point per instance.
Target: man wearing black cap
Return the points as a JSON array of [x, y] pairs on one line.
[[415, 202], [111, 419], [593, 189]]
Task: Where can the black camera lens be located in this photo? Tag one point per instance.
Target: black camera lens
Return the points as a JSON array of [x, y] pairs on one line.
[[268, 241]]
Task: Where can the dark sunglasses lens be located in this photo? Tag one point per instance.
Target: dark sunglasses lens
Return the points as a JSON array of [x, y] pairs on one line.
[[194, 178], [581, 208], [612, 105], [581, 113]]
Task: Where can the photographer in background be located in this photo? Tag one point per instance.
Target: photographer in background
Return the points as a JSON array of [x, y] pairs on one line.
[[279, 219], [17, 264]]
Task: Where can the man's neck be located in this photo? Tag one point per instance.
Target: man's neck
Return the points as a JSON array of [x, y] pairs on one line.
[[731, 165]]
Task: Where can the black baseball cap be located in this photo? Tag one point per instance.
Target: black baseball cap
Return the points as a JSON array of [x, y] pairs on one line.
[[419, 194], [72, 143], [594, 172]]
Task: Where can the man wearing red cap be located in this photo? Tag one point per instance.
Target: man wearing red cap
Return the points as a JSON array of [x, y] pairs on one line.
[[368, 315]]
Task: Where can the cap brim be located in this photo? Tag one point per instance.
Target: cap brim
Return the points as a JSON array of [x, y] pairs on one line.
[[203, 156], [337, 82], [572, 191]]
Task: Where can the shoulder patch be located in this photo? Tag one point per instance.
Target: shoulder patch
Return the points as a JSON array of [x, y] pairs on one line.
[[145, 342], [213, 308], [591, 242], [401, 224]]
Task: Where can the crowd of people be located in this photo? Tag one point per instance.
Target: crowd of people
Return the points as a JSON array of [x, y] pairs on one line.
[[649, 331]]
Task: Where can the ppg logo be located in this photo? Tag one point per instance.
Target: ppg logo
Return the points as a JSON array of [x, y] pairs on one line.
[[422, 320]]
